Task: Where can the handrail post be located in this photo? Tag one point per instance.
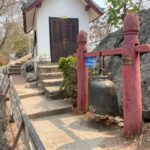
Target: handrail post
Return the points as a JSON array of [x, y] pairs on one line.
[[17, 136], [82, 74]]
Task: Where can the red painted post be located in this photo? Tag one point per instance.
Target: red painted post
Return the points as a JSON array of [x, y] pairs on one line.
[[82, 74], [132, 96]]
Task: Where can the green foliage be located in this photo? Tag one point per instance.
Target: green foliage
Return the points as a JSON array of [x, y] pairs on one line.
[[21, 53], [16, 42], [69, 84], [119, 8], [20, 43], [3, 59]]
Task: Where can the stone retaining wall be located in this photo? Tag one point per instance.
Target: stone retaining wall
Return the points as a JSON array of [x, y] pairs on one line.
[[3, 123], [3, 116]]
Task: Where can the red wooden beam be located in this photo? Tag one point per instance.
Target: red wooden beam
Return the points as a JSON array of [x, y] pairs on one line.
[[92, 54], [143, 48], [110, 52]]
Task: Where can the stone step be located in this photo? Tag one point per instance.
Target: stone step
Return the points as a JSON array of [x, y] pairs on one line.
[[14, 70], [29, 92], [52, 75], [52, 82], [40, 106], [48, 68], [16, 67], [53, 92], [43, 63], [53, 89], [14, 73]]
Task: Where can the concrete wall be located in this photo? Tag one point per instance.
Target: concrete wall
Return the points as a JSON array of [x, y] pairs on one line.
[[57, 8]]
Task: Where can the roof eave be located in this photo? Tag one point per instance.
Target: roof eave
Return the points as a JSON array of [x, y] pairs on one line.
[[25, 24], [94, 6]]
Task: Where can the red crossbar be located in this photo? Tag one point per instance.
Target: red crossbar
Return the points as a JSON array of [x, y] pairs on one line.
[[110, 52], [143, 48]]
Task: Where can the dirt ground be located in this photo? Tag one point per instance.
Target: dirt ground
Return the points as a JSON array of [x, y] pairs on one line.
[[139, 142]]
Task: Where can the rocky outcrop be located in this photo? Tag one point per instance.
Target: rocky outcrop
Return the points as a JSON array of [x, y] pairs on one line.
[[114, 40]]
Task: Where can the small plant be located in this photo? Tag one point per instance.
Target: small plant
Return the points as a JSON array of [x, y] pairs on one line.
[[69, 84]]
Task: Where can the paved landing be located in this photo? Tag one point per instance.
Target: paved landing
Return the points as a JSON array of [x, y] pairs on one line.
[[39, 106], [73, 132]]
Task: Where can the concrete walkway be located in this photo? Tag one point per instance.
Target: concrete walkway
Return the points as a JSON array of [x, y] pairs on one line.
[[61, 129]]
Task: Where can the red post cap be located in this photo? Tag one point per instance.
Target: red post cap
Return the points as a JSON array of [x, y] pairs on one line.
[[82, 37], [131, 24]]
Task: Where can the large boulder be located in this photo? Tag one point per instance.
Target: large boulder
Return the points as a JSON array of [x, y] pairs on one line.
[[113, 64]]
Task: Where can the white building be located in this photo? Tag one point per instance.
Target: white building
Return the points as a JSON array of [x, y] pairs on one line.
[[56, 23]]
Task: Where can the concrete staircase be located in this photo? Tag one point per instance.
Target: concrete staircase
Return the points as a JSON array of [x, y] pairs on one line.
[[15, 69], [16, 65], [51, 78]]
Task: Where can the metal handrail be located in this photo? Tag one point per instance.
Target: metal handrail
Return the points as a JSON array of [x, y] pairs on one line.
[[26, 131], [35, 139]]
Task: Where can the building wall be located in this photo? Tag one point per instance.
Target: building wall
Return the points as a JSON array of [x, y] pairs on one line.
[[57, 8]]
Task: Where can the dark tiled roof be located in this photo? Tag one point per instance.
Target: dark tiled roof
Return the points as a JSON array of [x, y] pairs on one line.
[[34, 3], [31, 3]]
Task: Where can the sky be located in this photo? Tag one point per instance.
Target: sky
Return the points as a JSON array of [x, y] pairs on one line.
[[101, 3]]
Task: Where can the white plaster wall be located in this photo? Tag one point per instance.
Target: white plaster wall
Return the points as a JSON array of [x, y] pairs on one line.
[[57, 8]]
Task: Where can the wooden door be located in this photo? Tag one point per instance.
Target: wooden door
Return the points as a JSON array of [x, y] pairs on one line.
[[63, 37]]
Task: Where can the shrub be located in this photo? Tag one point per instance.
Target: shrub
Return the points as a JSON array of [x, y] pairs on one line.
[[21, 53], [69, 84]]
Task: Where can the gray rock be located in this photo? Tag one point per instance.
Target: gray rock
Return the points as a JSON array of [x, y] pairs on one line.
[[31, 77], [23, 70], [27, 67], [40, 86], [32, 84], [113, 64]]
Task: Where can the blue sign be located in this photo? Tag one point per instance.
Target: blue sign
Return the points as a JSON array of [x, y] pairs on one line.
[[90, 62]]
